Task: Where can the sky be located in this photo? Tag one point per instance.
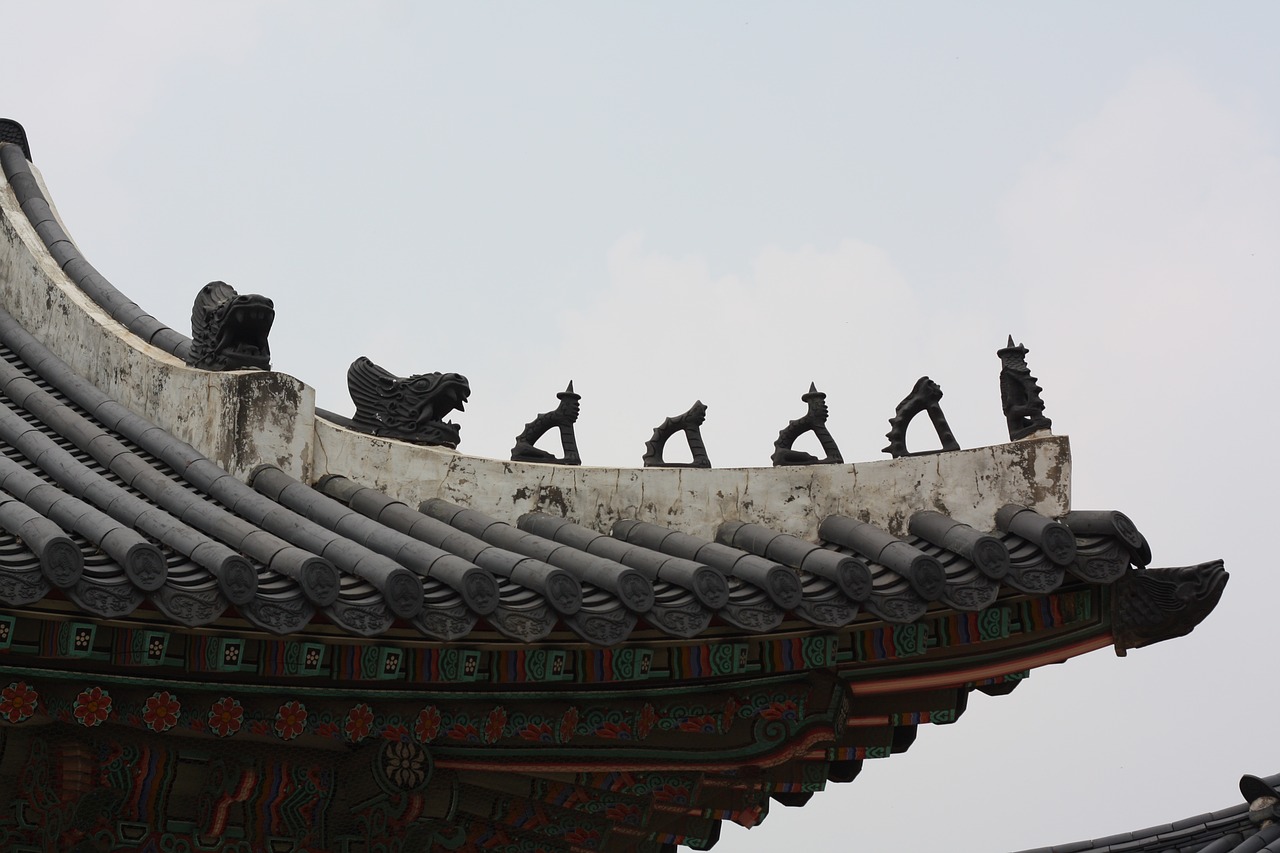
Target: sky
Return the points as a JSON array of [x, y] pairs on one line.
[[725, 202]]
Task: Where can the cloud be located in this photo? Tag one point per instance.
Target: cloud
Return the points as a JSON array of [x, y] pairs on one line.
[[125, 55], [1146, 240]]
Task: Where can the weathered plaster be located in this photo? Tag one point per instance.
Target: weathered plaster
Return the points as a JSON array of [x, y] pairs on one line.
[[239, 419], [968, 485]]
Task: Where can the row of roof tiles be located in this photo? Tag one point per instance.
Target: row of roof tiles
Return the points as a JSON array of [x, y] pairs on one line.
[[113, 510], [1243, 828]]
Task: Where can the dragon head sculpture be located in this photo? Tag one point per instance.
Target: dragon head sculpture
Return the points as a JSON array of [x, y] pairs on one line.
[[410, 408], [229, 331], [1158, 604]]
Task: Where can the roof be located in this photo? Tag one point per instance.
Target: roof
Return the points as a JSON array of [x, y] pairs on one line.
[[280, 552], [1228, 830], [532, 646], [154, 519]]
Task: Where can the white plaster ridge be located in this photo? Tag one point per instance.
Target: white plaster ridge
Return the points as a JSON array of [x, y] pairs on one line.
[[237, 418], [243, 418], [968, 485]]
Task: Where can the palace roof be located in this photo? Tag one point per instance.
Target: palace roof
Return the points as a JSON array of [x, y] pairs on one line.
[[482, 654], [1249, 827]]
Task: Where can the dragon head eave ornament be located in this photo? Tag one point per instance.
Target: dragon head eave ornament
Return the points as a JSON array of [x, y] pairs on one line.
[[1152, 605], [411, 408]]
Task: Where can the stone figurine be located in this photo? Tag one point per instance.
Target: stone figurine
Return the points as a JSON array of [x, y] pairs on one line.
[[1019, 393], [690, 423], [924, 397], [562, 417], [229, 330], [411, 408], [814, 421]]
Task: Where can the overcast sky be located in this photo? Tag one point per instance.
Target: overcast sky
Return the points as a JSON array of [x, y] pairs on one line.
[[665, 202]]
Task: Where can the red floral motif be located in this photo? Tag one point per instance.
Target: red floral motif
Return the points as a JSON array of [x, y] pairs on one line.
[[464, 731], [706, 724], [427, 726], [781, 711], [226, 717], [568, 725], [645, 721], [161, 711], [668, 793], [359, 723], [625, 813], [541, 732], [395, 733], [93, 706], [578, 835], [494, 724], [18, 701], [614, 731], [327, 729], [260, 727], [730, 712], [291, 720]]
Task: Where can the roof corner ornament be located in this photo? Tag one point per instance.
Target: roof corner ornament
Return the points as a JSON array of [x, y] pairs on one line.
[[924, 397], [562, 417], [1263, 800], [690, 423], [814, 421], [1019, 393], [411, 408], [229, 330], [11, 131], [1151, 605]]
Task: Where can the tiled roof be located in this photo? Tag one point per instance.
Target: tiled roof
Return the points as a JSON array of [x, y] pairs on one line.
[[153, 518], [831, 609], [1228, 830]]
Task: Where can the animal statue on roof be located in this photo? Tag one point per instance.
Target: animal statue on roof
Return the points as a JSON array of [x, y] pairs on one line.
[[815, 421], [1020, 393], [690, 423], [229, 330], [925, 396], [410, 408], [562, 417]]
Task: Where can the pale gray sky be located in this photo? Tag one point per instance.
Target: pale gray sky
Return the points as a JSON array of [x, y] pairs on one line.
[[726, 202]]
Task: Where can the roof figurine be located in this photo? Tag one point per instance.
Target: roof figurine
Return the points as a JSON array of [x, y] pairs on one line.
[[925, 396], [562, 417], [229, 331], [1019, 394], [814, 421], [410, 408], [690, 423], [271, 626]]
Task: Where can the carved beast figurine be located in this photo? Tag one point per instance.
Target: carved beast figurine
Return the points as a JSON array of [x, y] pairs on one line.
[[1020, 393], [229, 331], [814, 421], [411, 408]]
